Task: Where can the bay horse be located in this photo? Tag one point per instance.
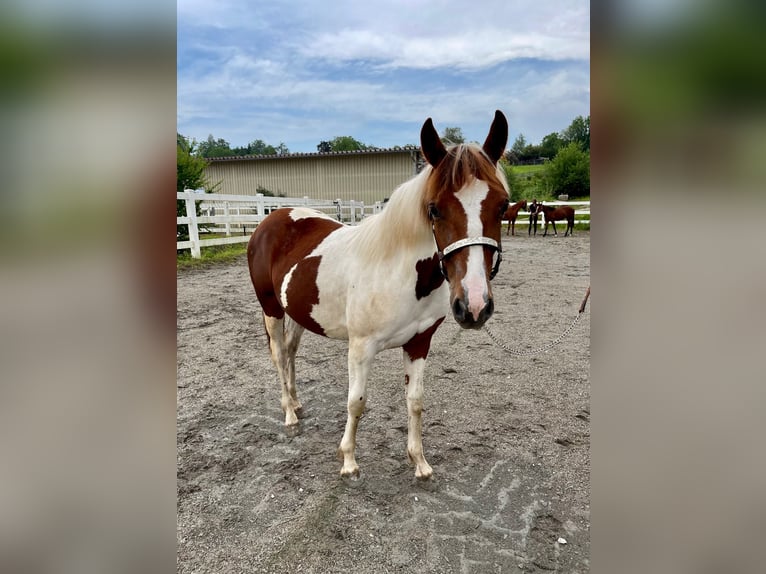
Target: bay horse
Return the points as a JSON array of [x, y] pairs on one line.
[[389, 281], [511, 214], [553, 214]]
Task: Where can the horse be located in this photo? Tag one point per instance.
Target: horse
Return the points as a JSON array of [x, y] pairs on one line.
[[389, 281], [534, 213], [553, 214], [510, 215]]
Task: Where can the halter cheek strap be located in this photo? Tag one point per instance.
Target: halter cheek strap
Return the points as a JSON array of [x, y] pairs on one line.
[[461, 243]]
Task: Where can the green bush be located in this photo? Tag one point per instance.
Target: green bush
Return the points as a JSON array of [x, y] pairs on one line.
[[569, 172]]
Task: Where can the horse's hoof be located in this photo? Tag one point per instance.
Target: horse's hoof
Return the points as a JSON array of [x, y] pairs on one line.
[[291, 419], [424, 475], [351, 474], [423, 470]]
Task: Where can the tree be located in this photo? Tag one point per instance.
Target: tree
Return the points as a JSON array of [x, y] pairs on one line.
[[190, 174], [212, 147], [578, 132], [531, 152], [551, 145], [521, 151], [569, 171], [324, 147], [452, 135], [342, 143], [255, 147], [511, 157]]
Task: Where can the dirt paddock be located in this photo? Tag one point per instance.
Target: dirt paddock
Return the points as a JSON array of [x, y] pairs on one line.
[[508, 437]]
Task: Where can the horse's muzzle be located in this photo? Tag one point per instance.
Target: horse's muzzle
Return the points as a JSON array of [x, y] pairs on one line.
[[466, 319]]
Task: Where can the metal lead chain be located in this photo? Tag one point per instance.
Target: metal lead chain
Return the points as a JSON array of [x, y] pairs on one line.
[[526, 353]]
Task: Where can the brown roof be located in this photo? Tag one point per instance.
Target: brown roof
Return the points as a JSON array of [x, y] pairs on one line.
[[403, 149]]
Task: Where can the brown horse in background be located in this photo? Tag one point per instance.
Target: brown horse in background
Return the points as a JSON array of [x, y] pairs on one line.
[[553, 214], [511, 213]]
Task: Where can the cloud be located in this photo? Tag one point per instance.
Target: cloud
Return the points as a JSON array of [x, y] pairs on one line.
[[302, 72], [464, 51]]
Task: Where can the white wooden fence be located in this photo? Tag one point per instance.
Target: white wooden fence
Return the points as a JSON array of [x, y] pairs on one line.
[[236, 216]]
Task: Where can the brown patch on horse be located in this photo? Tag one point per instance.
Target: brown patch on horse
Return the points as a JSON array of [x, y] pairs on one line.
[[277, 244], [303, 294], [430, 277], [417, 347]]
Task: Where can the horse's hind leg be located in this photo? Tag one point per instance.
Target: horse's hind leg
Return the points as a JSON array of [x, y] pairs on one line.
[[284, 337]]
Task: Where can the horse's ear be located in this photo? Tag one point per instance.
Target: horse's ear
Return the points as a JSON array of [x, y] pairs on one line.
[[433, 148], [494, 146]]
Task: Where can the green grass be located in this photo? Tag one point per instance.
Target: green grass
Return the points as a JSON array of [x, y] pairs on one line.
[[528, 169], [210, 255]]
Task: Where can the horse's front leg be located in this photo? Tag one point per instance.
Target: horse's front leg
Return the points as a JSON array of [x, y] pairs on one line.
[[415, 353], [360, 358]]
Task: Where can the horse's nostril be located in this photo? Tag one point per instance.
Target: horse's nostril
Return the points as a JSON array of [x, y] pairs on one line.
[[489, 309], [459, 310]]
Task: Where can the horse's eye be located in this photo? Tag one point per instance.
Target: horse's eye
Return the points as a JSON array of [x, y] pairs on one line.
[[433, 213]]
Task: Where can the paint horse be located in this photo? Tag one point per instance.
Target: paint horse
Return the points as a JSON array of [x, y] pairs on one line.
[[553, 214], [389, 281], [511, 214]]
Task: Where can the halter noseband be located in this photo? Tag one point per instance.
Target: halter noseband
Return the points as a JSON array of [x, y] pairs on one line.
[[461, 243]]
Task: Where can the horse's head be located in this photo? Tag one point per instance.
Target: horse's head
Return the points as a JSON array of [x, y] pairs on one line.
[[466, 197]]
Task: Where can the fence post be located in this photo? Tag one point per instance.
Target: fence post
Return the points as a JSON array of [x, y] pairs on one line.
[[260, 207], [226, 213], [191, 213]]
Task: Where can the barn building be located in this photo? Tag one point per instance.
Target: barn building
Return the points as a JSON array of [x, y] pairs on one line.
[[368, 175]]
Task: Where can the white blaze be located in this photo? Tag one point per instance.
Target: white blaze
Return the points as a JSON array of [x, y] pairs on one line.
[[475, 281]]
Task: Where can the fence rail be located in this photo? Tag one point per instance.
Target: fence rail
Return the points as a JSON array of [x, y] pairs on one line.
[[232, 214], [583, 209]]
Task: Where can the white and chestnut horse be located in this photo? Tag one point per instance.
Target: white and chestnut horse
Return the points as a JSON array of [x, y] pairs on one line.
[[390, 281]]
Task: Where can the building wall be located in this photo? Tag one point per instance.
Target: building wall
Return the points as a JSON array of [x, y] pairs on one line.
[[367, 177]]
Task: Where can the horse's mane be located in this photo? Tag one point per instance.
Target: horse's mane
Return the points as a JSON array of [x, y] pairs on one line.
[[404, 220]]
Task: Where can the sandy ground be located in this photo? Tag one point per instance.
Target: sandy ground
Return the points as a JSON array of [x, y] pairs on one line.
[[508, 437]]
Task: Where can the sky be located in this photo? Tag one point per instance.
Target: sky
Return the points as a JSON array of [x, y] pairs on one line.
[[299, 72]]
